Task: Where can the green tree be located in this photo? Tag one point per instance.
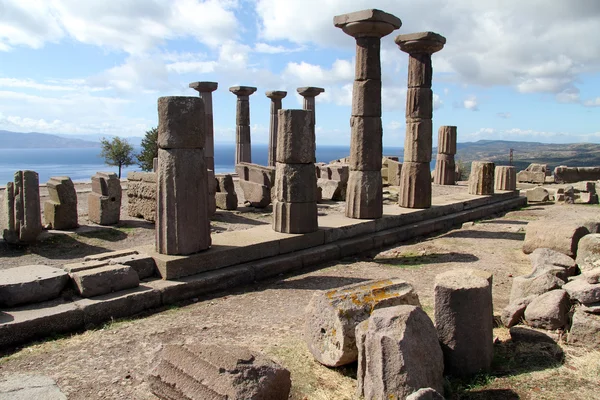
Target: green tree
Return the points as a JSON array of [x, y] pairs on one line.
[[117, 152], [149, 150]]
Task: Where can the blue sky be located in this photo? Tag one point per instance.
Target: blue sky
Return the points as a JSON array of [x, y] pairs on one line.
[[511, 69]]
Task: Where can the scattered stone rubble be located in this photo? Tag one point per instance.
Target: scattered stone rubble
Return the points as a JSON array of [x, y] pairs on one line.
[[22, 207], [104, 203]]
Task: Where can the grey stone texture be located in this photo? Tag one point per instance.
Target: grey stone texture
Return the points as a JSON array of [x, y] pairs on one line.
[[394, 172], [548, 260], [309, 93], [243, 152], [332, 190], [564, 174], [549, 310], [142, 264], [332, 316], [415, 185], [537, 195], [445, 170], [425, 394], [105, 279], [513, 313], [295, 183], [256, 182], [588, 252], [31, 284], [366, 143], [60, 212], [364, 195], [367, 23], [29, 387], [296, 137], [556, 234], [211, 372], [22, 200], [534, 173], [400, 354], [104, 202], [295, 217], [182, 221], [525, 286], [583, 291], [585, 330], [505, 178], [155, 164], [276, 96], [141, 195], [415, 182], [447, 136], [226, 197], [481, 179], [205, 90], [464, 321]]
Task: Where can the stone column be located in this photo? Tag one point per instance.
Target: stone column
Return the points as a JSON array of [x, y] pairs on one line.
[[445, 167], [415, 185], [295, 203], [243, 152], [481, 179], [364, 198], [505, 178], [205, 89], [24, 219], [309, 93], [275, 97], [182, 223]]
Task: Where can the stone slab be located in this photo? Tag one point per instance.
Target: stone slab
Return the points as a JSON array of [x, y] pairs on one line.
[[112, 254], [31, 284], [143, 264], [106, 279], [84, 265], [28, 387]]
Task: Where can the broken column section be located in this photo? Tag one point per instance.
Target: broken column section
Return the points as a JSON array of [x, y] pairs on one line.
[[276, 97], [295, 203], [505, 178], [445, 167], [364, 193], [309, 93], [60, 212], [182, 222], [23, 216], [415, 185], [104, 203], [243, 152], [481, 180]]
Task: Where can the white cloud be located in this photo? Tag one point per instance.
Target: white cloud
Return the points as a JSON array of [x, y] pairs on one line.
[[315, 75], [471, 103], [504, 115], [261, 47], [592, 102], [437, 102]]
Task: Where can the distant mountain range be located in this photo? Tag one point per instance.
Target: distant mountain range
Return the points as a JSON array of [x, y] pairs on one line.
[[35, 140]]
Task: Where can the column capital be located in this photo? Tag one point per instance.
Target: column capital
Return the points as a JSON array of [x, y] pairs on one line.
[[276, 94], [242, 90], [421, 42], [202, 87], [367, 23], [310, 91]]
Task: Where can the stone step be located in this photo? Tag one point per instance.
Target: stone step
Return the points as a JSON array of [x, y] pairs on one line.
[[31, 284], [106, 279]]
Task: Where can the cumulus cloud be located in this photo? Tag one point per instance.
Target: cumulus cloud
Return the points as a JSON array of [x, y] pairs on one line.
[[470, 103], [592, 102]]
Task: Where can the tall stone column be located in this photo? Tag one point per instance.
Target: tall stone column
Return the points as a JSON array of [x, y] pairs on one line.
[[182, 223], [415, 179], [205, 90], [275, 97], [364, 198], [243, 151], [445, 167], [309, 93], [295, 203]]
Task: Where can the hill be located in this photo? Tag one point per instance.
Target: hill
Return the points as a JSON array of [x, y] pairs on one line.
[[34, 140]]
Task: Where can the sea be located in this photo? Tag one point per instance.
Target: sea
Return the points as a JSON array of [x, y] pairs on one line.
[[81, 163]]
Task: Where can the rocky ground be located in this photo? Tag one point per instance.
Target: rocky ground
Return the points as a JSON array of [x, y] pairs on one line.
[[111, 361]]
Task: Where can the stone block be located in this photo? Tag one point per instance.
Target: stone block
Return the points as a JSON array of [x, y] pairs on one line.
[[513, 313], [339, 172], [505, 178], [464, 321], [364, 195], [226, 201], [295, 217], [332, 190], [10, 234], [525, 286], [420, 71], [415, 185], [61, 210], [110, 254], [366, 98], [588, 252], [30, 284], [27, 215], [364, 23], [104, 203], [225, 184], [417, 141], [182, 224], [257, 195], [82, 266], [368, 63], [537, 195], [106, 279], [445, 170], [394, 172], [295, 183], [143, 264], [583, 291], [559, 235], [585, 330], [548, 260], [447, 140], [201, 372], [256, 173], [181, 123], [419, 104], [481, 179], [366, 143], [400, 353], [295, 137], [549, 310], [331, 316]]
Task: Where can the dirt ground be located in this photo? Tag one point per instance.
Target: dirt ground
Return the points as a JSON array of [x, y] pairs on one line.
[[112, 361]]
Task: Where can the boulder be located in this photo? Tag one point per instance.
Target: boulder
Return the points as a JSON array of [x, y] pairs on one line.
[[400, 354], [537, 194], [585, 329], [528, 334], [557, 234], [558, 264], [331, 316], [425, 394], [588, 252], [582, 291], [207, 372], [524, 286], [513, 313], [31, 284], [549, 310]]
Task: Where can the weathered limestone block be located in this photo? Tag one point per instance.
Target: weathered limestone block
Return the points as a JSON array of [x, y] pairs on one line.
[[276, 96], [226, 197], [104, 203], [418, 141], [60, 211], [295, 217], [445, 170], [400, 353], [205, 90], [525, 286], [295, 183], [534, 173], [564, 174], [549, 310], [332, 190], [338, 172], [481, 180], [394, 172], [464, 321], [207, 372], [182, 124], [309, 93], [22, 199], [143, 264], [585, 329], [366, 98], [364, 195], [415, 185], [548, 260], [331, 316], [588, 252], [30, 284], [10, 233], [513, 313], [505, 178], [583, 291], [141, 195], [257, 195], [366, 143], [447, 140], [419, 103], [256, 182], [105, 279], [243, 151], [559, 235], [537, 195], [296, 140]]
